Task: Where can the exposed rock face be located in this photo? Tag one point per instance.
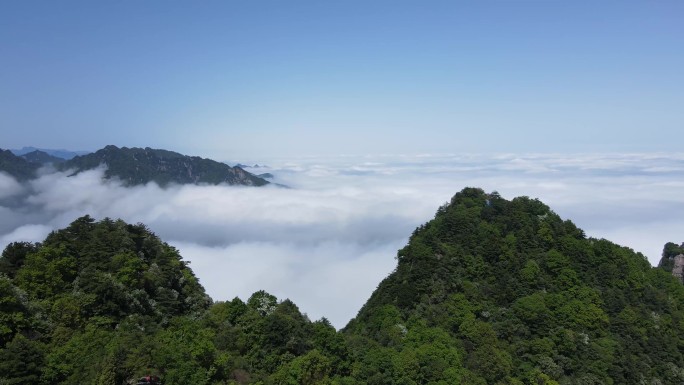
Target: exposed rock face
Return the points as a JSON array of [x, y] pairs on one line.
[[672, 260], [678, 268]]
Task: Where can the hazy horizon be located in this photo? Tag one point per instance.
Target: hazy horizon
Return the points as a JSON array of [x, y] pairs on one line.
[[273, 79]]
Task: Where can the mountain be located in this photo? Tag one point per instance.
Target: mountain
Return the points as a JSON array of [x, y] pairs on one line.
[[506, 292], [63, 154], [73, 305], [16, 166], [490, 291], [106, 302], [42, 158], [136, 166]]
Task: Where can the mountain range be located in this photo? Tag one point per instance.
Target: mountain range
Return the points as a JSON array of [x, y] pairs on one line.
[[489, 291], [133, 166], [57, 153], [16, 166]]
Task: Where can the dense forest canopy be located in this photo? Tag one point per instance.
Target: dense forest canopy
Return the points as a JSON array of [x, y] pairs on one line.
[[490, 291]]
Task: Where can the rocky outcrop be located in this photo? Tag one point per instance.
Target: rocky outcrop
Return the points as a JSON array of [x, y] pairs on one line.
[[678, 267]]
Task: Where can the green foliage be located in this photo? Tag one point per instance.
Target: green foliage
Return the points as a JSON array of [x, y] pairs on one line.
[[21, 361], [263, 302], [313, 368], [185, 353], [78, 360], [525, 297], [14, 311], [14, 256]]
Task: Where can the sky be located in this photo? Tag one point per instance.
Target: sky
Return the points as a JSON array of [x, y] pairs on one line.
[[375, 113], [296, 78]]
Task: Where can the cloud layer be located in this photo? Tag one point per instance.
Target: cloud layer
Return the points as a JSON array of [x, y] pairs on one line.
[[327, 241]]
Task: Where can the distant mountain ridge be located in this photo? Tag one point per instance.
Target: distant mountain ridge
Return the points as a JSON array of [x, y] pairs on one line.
[[24, 167], [16, 166], [135, 166], [59, 153], [42, 158]]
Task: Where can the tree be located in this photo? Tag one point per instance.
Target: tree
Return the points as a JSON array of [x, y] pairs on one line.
[[21, 361], [263, 302], [13, 257], [14, 313]]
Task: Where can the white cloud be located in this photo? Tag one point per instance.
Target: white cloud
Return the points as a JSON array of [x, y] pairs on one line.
[[327, 242], [26, 233], [328, 279], [8, 186]]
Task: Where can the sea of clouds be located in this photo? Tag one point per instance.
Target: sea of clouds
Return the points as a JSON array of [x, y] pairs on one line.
[[330, 238]]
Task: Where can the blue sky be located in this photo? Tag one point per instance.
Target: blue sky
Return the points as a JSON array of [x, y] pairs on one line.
[[251, 79]]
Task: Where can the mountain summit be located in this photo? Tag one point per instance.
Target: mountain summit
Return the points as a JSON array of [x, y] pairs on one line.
[[510, 293], [136, 166]]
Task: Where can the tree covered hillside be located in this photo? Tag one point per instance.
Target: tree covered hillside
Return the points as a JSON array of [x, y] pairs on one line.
[[490, 291], [65, 301], [106, 302], [508, 292]]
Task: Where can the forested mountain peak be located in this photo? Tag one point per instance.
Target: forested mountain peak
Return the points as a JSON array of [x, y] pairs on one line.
[[104, 302], [108, 269], [136, 166], [63, 300], [522, 294]]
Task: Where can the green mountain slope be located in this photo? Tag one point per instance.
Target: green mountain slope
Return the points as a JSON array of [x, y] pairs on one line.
[[136, 166], [16, 166], [514, 294], [64, 301], [107, 302]]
